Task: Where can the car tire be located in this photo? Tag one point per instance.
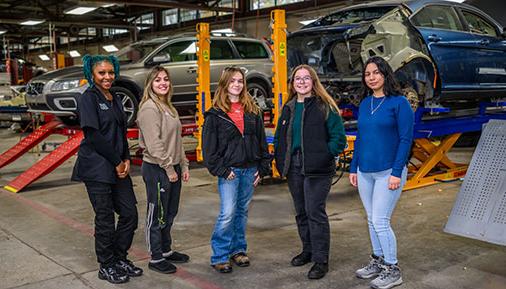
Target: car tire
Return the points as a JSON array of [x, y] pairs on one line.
[[260, 95], [130, 103]]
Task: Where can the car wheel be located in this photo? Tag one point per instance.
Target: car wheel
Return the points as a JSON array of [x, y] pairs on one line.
[[259, 95], [412, 96], [130, 103]]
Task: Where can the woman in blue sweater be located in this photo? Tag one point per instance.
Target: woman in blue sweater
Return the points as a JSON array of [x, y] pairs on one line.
[[385, 134]]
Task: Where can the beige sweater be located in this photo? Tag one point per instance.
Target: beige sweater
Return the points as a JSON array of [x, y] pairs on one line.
[[160, 137]]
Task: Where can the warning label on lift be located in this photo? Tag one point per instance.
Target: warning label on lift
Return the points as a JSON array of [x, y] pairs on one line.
[[282, 49], [205, 53]]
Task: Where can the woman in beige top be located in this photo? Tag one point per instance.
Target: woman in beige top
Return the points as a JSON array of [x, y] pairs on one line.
[[164, 166]]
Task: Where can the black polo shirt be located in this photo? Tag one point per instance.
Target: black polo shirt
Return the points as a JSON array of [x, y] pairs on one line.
[[109, 119]]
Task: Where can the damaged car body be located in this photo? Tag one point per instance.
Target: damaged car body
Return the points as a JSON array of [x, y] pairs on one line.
[[443, 53]]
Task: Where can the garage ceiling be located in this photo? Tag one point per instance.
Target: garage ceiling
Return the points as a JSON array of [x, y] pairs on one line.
[[111, 14]]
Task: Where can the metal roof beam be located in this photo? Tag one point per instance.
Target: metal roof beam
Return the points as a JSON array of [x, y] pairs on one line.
[[165, 4]]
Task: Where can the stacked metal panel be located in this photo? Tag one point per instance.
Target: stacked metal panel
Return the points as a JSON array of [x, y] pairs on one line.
[[479, 211]]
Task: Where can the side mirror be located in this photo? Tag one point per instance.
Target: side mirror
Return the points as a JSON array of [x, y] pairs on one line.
[[161, 58]]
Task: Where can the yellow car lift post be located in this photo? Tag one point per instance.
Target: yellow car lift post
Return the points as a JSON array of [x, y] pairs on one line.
[[280, 78], [203, 81]]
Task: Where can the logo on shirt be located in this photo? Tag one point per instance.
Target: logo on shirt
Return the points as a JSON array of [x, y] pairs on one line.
[[103, 106]]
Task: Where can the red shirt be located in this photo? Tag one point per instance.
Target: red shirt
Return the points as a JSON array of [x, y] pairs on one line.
[[236, 113]]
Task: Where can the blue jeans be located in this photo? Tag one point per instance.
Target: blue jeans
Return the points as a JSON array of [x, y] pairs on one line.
[[229, 235], [379, 203]]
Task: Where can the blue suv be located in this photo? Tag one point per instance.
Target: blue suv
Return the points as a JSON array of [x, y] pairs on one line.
[[443, 53]]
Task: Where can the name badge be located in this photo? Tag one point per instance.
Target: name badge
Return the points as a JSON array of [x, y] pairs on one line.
[[103, 106]]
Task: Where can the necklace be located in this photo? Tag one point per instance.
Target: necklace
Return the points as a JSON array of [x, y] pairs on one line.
[[373, 110]]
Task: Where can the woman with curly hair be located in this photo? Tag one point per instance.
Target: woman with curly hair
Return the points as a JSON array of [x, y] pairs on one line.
[[103, 164]]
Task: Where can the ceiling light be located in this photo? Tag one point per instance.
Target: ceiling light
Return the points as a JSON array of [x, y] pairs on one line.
[[306, 22], [74, 53], [32, 22], [108, 5], [110, 48], [80, 10], [44, 57], [2, 32]]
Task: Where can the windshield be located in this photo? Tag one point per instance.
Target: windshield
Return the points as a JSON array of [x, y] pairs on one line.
[[137, 51], [352, 16]]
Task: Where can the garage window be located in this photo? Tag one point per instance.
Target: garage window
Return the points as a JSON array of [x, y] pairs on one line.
[[439, 17], [478, 25], [250, 49]]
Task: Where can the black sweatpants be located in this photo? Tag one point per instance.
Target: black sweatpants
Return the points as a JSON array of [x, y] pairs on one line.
[[112, 240], [163, 204], [310, 197]]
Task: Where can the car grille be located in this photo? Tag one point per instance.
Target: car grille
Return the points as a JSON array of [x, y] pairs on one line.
[[35, 88]]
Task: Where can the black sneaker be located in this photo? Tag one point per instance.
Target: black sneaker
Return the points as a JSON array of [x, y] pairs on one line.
[[162, 266], [318, 271], [129, 268], [301, 259], [113, 275], [176, 257]]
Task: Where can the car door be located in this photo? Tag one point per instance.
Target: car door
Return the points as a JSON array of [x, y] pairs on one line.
[[489, 50], [451, 48]]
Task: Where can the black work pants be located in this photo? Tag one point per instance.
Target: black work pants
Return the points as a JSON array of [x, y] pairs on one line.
[[309, 195], [112, 240], [163, 204]]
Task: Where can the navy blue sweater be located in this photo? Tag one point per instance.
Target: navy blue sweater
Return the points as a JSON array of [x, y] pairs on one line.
[[384, 138]]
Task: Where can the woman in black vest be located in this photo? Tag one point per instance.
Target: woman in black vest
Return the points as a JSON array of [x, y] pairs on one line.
[[309, 135]]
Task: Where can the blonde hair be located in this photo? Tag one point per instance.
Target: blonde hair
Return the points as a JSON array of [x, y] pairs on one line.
[[162, 102], [318, 90], [221, 101]]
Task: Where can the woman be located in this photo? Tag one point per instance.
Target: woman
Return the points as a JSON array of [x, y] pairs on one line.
[[234, 150], [164, 165], [378, 168], [309, 135], [103, 164]]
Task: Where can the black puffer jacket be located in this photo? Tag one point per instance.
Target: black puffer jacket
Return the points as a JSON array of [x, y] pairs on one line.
[[223, 145]]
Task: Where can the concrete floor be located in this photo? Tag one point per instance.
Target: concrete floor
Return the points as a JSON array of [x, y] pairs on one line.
[[46, 237]]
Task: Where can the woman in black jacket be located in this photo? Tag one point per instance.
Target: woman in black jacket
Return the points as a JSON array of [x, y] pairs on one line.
[[103, 164], [234, 150], [309, 135]]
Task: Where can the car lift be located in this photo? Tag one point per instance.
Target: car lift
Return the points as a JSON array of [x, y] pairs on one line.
[[435, 165], [58, 156]]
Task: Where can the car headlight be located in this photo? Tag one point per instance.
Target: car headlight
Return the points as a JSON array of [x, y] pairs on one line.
[[68, 84]]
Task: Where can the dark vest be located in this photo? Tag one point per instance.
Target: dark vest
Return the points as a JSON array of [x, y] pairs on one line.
[[317, 160]]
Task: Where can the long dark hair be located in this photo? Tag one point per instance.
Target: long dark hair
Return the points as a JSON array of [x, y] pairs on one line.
[[391, 86]]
